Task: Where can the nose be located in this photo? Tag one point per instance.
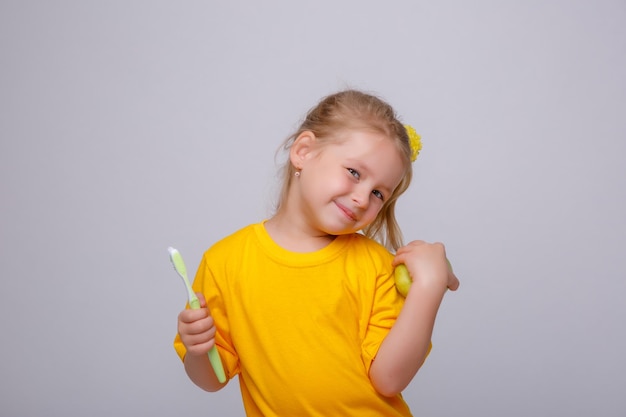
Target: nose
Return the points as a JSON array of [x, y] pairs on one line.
[[360, 197]]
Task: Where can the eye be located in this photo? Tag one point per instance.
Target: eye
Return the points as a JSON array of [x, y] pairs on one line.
[[354, 173], [378, 194]]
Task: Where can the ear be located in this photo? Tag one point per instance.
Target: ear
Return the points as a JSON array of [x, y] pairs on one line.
[[302, 148]]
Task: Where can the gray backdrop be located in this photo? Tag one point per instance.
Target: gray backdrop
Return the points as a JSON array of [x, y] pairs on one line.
[[128, 126]]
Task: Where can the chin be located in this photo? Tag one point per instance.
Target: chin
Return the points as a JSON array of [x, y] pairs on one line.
[[339, 231]]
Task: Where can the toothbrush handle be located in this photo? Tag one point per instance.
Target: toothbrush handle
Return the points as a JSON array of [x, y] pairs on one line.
[[214, 356], [216, 363]]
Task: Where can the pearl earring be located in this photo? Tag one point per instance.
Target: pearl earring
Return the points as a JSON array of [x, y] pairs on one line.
[[297, 173]]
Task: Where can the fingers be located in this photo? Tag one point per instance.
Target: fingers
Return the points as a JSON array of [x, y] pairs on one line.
[[197, 330], [197, 317], [428, 262], [419, 248], [403, 252], [199, 347]]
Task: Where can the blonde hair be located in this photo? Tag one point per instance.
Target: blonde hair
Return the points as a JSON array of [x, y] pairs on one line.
[[353, 109]]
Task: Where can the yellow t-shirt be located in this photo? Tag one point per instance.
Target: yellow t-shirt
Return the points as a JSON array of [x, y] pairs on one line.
[[301, 329]]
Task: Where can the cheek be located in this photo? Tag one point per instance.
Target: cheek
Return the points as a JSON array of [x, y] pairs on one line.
[[324, 185], [335, 182]]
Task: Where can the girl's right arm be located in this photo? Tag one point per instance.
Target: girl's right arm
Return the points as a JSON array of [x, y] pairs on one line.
[[405, 347], [197, 332]]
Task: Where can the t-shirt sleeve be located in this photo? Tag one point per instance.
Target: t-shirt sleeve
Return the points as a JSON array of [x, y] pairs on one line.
[[384, 309]]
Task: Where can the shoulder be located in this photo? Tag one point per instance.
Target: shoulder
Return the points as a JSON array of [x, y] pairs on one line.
[[362, 241], [367, 248], [231, 243]]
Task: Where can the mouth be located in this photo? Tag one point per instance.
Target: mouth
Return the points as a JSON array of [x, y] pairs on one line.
[[346, 211]]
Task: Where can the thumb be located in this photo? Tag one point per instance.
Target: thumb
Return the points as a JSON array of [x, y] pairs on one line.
[[454, 283], [201, 299]]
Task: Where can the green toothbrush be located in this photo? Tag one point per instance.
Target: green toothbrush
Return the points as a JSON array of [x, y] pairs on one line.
[[194, 303]]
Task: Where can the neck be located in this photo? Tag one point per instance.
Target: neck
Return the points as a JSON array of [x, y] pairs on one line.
[[295, 235]]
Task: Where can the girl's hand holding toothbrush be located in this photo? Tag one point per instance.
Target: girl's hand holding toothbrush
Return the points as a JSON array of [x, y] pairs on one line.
[[197, 329]]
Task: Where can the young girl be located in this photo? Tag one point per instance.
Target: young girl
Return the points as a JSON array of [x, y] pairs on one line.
[[303, 306]]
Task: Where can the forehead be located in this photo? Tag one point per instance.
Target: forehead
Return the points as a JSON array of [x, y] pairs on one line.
[[362, 142]]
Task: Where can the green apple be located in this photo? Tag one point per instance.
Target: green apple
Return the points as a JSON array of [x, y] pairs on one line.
[[403, 279]]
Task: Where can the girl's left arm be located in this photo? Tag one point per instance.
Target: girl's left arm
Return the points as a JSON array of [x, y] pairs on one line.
[[404, 349]]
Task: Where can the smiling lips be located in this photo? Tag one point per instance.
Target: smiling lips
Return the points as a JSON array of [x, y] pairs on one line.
[[349, 213]]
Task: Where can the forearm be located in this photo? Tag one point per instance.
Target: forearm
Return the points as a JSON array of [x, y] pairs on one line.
[[403, 351], [199, 370]]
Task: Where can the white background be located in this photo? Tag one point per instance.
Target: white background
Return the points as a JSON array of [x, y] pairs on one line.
[[129, 126]]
